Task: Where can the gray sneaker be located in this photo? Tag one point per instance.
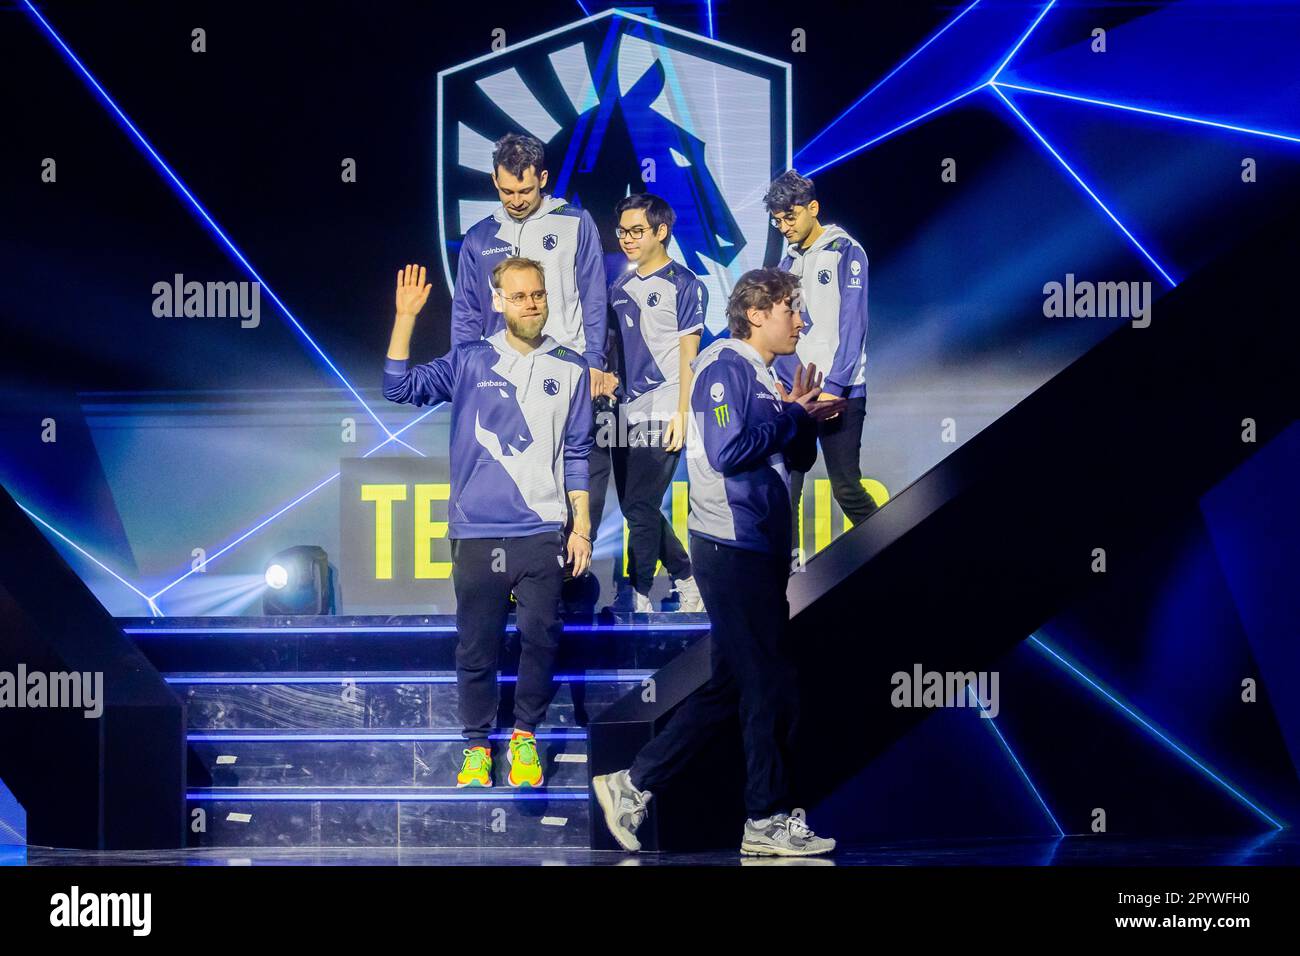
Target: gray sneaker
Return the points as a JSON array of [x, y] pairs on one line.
[[784, 834], [624, 807]]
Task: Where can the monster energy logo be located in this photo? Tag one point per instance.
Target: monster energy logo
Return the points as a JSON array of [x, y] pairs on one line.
[[723, 416]]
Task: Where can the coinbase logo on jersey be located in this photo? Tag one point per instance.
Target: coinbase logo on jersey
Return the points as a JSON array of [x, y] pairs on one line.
[[624, 104]]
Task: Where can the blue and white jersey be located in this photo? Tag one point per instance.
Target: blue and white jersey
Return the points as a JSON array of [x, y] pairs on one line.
[[653, 312], [565, 241], [833, 287], [520, 431], [743, 442]]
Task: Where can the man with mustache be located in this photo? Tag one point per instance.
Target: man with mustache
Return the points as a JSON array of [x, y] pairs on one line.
[[520, 436]]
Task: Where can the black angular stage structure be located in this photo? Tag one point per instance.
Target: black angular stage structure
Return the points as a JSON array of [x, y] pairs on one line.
[[112, 782]]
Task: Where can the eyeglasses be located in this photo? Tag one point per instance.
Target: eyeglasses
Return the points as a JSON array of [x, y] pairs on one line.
[[784, 219], [636, 232], [519, 297]]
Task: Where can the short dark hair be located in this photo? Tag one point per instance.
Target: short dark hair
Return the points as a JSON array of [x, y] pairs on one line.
[[789, 190], [758, 289], [515, 152], [657, 211], [515, 262]]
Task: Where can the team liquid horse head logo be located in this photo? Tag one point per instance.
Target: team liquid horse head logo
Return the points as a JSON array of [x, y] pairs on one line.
[[549, 240], [500, 426], [625, 104]]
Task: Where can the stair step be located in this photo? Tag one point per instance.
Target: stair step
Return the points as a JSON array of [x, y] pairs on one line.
[[375, 701], [391, 817], [423, 761], [377, 643]]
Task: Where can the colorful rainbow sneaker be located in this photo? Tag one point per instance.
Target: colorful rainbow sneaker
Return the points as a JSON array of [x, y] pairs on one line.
[[525, 765], [476, 771]]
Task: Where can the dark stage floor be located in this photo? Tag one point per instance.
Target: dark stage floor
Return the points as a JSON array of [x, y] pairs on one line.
[[1277, 848]]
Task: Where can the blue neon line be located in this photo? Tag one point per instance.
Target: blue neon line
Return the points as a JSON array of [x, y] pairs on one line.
[[708, 4], [1149, 112], [915, 53], [1086, 188], [204, 213], [583, 7], [261, 680], [343, 738], [1034, 639], [258, 527], [1015, 760], [82, 551], [479, 794], [402, 629], [902, 126], [1032, 27]]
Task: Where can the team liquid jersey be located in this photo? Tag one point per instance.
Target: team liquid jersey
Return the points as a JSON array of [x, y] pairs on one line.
[[750, 440], [833, 287], [652, 314], [564, 240], [520, 431]]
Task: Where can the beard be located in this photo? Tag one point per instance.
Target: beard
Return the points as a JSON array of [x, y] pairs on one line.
[[526, 327]]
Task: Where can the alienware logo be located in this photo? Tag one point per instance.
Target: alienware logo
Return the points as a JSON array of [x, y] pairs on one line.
[[715, 391], [612, 96]]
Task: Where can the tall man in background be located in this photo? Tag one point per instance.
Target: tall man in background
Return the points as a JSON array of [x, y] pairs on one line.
[[565, 241], [832, 270]]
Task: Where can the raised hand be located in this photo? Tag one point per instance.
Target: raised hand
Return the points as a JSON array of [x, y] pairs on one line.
[[412, 292], [806, 391]]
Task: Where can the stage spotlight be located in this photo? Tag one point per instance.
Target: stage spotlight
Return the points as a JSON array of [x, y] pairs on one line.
[[299, 580]]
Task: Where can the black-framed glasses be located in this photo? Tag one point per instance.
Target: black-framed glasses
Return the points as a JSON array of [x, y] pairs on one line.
[[518, 298], [636, 232]]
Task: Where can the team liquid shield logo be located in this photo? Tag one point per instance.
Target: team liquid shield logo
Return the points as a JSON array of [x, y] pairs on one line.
[[652, 299], [624, 104], [551, 387], [500, 426], [549, 240], [824, 277]]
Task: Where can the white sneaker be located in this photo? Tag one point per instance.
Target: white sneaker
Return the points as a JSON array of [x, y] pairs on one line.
[[689, 596], [783, 835], [643, 604], [623, 805]]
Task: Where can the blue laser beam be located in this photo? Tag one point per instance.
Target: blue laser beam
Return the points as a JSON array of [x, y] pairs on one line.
[[1015, 49], [1015, 760], [303, 497], [899, 128], [156, 612], [1182, 118], [915, 53], [1151, 728], [1083, 185], [203, 213]]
